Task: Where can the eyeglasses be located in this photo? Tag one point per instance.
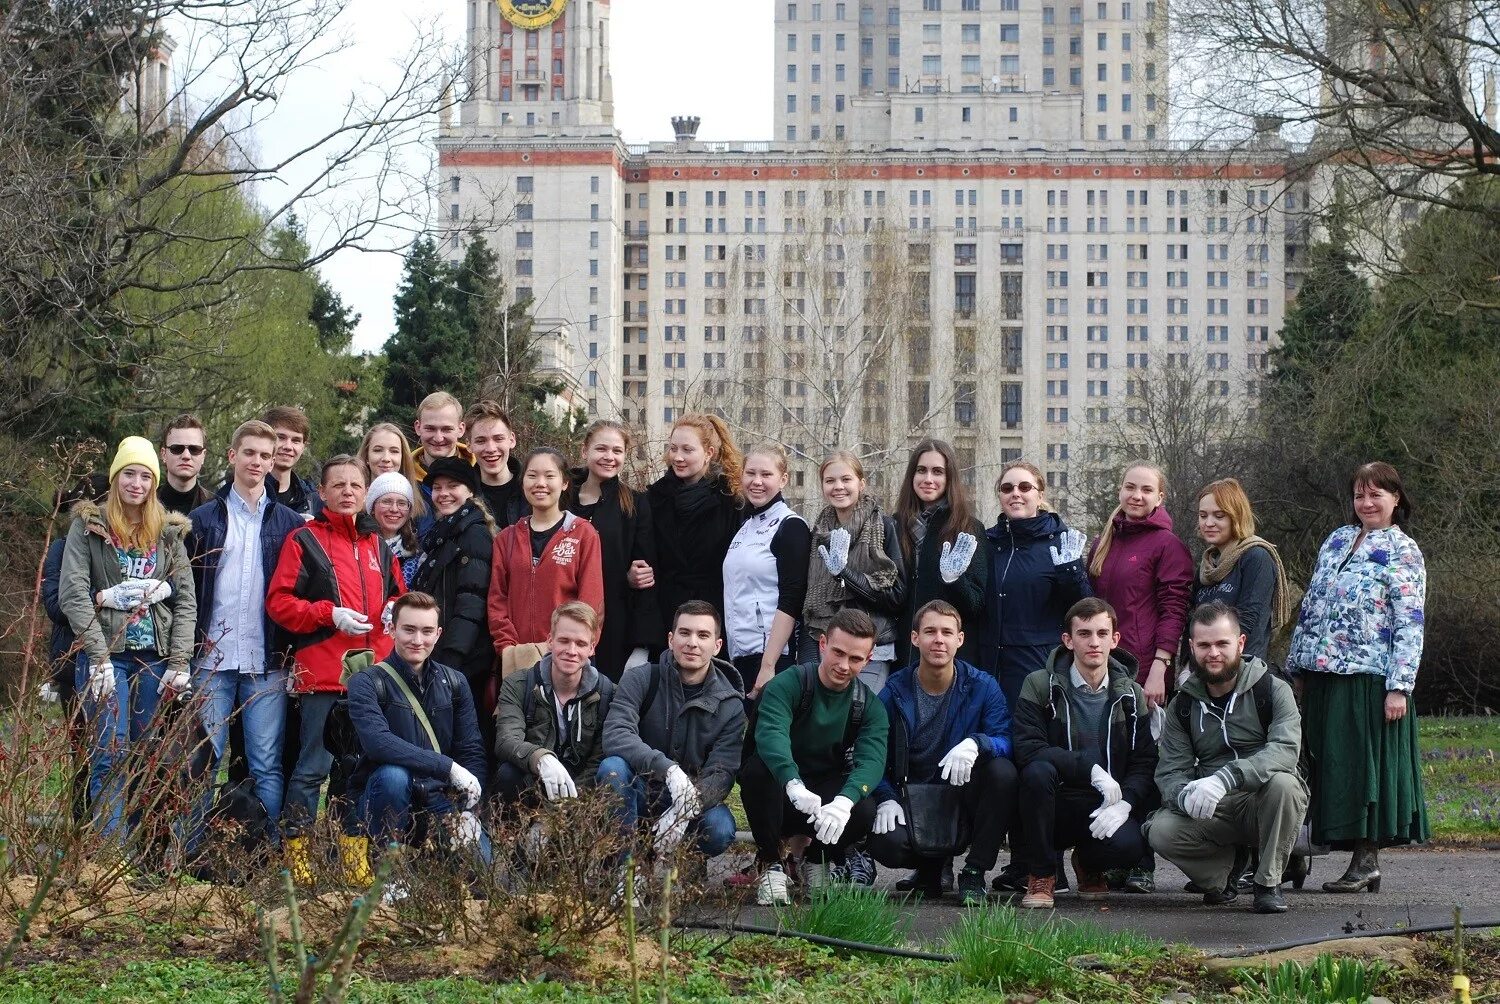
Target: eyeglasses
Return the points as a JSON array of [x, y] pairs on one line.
[[178, 449], [1006, 487], [393, 502]]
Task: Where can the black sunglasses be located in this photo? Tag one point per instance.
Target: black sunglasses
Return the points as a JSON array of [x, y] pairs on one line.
[[1023, 487], [177, 449]]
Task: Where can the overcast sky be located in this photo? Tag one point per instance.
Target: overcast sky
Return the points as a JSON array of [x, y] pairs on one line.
[[704, 57]]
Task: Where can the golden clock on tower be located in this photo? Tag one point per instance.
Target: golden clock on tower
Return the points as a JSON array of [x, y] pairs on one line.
[[532, 13]]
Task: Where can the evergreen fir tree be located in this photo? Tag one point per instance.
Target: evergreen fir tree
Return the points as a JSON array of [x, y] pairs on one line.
[[430, 349]]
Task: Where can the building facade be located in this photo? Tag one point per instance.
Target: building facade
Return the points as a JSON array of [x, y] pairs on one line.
[[999, 253]]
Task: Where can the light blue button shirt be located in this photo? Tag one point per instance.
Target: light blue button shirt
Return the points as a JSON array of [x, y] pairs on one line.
[[236, 627]]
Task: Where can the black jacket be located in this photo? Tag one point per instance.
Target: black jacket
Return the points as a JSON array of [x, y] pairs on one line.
[[631, 616], [924, 582], [1041, 730], [691, 542], [1250, 587], [521, 739], [455, 570], [389, 733], [507, 503], [1027, 595], [62, 630]]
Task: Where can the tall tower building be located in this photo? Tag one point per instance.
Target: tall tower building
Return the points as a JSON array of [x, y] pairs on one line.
[[539, 66]]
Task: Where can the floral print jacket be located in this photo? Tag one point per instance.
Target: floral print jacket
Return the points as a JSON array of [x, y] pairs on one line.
[[1363, 610]]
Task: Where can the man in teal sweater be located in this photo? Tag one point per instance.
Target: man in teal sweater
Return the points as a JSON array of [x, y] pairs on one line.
[[820, 738]]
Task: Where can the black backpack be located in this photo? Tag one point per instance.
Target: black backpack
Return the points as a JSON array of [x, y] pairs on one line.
[[808, 676], [1260, 691]]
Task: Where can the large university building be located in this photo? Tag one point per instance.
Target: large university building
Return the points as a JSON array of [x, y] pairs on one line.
[[970, 223]]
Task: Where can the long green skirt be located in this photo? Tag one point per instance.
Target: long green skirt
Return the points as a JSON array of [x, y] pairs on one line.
[[1365, 772]]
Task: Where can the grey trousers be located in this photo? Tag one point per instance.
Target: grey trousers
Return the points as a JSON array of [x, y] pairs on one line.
[[1204, 848]]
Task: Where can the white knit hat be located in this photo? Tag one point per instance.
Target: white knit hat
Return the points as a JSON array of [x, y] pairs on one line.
[[389, 483]]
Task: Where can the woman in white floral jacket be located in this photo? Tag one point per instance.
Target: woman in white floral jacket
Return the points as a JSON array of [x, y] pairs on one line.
[[1354, 661]]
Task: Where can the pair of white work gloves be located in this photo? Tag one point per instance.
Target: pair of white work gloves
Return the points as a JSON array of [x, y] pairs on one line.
[[957, 767], [128, 596]]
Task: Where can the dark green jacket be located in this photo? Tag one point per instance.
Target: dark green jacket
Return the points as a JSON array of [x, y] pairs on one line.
[[522, 739]]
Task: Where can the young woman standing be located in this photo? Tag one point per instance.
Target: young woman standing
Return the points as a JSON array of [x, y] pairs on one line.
[[1240, 568], [939, 539], [765, 572], [627, 542]]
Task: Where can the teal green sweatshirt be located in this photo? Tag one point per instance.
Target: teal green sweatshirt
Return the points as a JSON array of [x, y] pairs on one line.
[[813, 745]]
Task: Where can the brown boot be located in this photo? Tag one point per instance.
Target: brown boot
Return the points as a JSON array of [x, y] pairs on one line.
[[1091, 885], [1038, 893]]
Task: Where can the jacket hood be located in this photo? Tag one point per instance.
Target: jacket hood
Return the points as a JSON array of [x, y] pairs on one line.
[[1038, 527], [419, 458], [1122, 666], [587, 684], [722, 684], [1251, 670], [91, 514], [1159, 519]]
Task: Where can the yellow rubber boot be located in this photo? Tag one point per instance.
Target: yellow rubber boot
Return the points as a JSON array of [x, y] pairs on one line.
[[299, 861], [354, 859]]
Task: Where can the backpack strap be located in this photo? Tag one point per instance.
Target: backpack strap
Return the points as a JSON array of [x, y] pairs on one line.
[[808, 675], [1261, 691], [416, 705], [528, 695]]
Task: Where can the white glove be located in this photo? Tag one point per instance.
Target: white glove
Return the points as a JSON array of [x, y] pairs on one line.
[[1105, 785], [350, 621], [1069, 548], [48, 694], [1107, 819], [954, 560], [466, 783], [958, 764], [101, 682], [802, 800], [684, 792], [178, 681], [127, 595], [638, 657], [836, 555], [888, 816], [1201, 797], [832, 819], [153, 590], [466, 830], [669, 831], [556, 781], [386, 621]]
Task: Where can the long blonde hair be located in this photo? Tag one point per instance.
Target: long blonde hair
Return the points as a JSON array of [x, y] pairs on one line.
[[1230, 496], [717, 440], [135, 536], [408, 464], [1107, 536]]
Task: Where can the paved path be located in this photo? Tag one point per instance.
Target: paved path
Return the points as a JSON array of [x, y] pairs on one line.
[[1419, 887]]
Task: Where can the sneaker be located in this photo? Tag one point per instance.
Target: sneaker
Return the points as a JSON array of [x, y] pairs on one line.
[[1223, 897], [1141, 880], [1038, 893], [924, 883], [861, 867], [816, 876], [971, 891], [1010, 879], [1268, 899], [773, 889], [945, 877], [1091, 885]]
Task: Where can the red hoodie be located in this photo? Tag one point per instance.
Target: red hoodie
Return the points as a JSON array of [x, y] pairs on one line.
[[522, 596], [1148, 579], [331, 562]]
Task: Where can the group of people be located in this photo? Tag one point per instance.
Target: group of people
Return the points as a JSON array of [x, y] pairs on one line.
[[426, 629]]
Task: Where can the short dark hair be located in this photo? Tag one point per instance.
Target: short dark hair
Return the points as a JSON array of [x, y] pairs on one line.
[[698, 608], [413, 601], [342, 460], [855, 623], [1087, 609], [940, 607], [288, 416], [1379, 474], [1211, 613], [182, 422]]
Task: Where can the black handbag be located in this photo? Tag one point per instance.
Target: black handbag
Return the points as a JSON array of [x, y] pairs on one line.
[[939, 825]]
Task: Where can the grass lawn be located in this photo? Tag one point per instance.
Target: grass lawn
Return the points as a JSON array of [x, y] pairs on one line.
[[1461, 776]]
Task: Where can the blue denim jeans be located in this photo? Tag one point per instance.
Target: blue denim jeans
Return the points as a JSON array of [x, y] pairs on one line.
[[714, 829], [117, 722], [259, 699], [390, 804]]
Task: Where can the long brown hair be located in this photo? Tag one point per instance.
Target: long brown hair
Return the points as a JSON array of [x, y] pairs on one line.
[[626, 495], [716, 439], [1107, 536], [909, 507]]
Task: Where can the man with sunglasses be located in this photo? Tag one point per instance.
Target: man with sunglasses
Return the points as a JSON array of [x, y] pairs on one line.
[[182, 454]]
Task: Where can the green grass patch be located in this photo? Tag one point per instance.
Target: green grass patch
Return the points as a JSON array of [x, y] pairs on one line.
[[1327, 981], [1461, 777], [998, 950], [851, 913]]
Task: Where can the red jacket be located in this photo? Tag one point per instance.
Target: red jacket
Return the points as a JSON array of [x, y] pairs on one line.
[[1148, 578], [333, 561], [522, 597]]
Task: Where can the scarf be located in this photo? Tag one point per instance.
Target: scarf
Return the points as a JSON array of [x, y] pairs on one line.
[[692, 500], [1218, 563], [825, 592]]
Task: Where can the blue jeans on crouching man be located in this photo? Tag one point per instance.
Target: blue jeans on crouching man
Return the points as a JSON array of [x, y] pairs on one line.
[[395, 805], [713, 831]]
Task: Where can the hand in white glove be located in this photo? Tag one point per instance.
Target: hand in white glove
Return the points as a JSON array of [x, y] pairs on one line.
[[958, 764], [1105, 785], [836, 555], [178, 681], [466, 830], [101, 682], [1107, 819], [684, 792], [888, 816], [125, 596], [832, 819], [1069, 547], [350, 621], [669, 831], [802, 800], [48, 694], [154, 590], [466, 783], [556, 781], [386, 620], [954, 560], [1201, 797]]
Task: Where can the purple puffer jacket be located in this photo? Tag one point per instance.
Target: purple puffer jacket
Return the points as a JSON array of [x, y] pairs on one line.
[[1148, 579]]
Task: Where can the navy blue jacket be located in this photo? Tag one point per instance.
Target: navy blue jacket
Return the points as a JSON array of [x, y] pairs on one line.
[[1250, 587], [205, 545], [976, 711], [389, 733], [1028, 595], [62, 629]]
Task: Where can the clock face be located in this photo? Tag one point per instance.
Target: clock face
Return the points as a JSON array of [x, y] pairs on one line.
[[532, 13]]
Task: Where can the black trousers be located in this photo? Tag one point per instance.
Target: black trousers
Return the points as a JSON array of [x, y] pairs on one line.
[[988, 800], [773, 819], [1054, 818]]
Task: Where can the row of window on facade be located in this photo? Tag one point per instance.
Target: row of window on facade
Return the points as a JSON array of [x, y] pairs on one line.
[[867, 13]]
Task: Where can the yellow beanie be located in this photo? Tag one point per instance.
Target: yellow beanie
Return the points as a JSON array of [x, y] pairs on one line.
[[135, 450]]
